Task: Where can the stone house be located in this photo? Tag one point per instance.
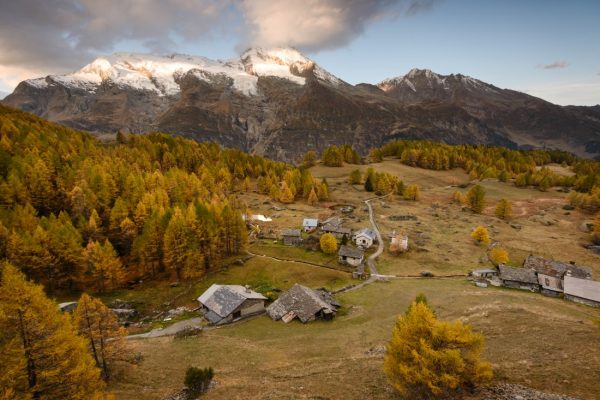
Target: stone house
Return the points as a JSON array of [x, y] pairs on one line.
[[310, 224], [484, 273], [550, 273], [291, 237], [337, 231], [228, 303], [69, 306], [365, 237], [351, 256], [519, 278], [584, 291], [303, 303]]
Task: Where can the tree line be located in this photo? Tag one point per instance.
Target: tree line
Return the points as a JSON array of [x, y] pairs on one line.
[[526, 168]]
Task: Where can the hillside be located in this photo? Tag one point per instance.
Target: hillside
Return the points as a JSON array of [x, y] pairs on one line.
[[278, 103]]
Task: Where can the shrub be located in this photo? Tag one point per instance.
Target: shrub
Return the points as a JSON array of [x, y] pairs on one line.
[[198, 380]]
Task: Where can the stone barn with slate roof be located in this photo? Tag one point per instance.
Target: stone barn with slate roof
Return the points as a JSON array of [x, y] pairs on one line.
[[228, 303], [550, 273], [291, 237], [519, 278], [351, 255], [585, 291], [303, 303]]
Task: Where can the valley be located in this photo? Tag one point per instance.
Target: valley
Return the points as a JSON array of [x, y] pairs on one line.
[[261, 358]]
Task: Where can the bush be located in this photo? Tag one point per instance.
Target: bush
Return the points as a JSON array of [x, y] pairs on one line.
[[431, 359], [198, 380]]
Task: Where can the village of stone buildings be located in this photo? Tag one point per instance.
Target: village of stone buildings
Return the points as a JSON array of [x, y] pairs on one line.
[[222, 304]]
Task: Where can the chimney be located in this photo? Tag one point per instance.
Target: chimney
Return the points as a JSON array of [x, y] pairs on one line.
[[247, 287]]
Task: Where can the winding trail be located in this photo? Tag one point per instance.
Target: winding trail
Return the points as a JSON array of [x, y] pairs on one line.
[[380, 246]]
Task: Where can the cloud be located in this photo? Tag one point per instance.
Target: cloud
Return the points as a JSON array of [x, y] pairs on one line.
[[555, 65], [313, 25], [59, 34]]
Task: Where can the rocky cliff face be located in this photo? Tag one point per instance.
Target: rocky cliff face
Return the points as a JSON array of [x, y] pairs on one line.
[[278, 103]]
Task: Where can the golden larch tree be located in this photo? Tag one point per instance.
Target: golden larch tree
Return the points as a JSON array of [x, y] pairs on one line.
[[432, 359], [42, 355], [481, 235], [100, 326], [328, 243]]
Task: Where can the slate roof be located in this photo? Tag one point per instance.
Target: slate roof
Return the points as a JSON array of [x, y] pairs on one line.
[[304, 302], [367, 232], [336, 229], [333, 221], [584, 288], [310, 222], [222, 300], [352, 252], [556, 269], [291, 232], [523, 275]]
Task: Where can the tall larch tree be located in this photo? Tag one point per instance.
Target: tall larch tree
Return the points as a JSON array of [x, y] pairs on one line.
[[42, 356], [100, 327], [104, 266]]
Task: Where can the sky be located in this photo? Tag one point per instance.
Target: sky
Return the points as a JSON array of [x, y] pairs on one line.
[[549, 49]]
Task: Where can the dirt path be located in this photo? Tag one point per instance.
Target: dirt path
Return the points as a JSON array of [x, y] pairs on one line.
[[170, 330]]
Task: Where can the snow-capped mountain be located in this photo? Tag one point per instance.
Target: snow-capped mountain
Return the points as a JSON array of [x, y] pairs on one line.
[[161, 74], [279, 103]]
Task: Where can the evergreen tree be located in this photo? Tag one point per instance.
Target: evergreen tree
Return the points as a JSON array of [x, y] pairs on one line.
[[42, 356]]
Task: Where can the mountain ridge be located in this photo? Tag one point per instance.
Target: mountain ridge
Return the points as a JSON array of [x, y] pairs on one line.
[[279, 103]]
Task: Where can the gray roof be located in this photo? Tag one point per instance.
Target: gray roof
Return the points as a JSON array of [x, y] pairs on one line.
[[291, 232], [556, 268], [484, 271], [310, 222], [524, 275], [333, 221], [584, 288], [224, 299], [304, 302], [336, 229], [367, 232], [351, 252]]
